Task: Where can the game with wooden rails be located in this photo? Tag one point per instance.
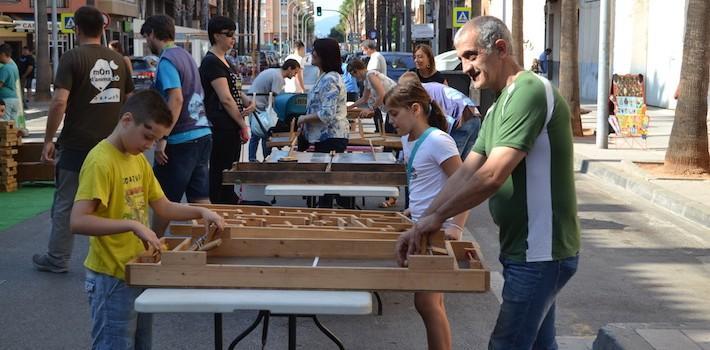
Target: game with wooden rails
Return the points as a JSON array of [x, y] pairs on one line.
[[303, 248]]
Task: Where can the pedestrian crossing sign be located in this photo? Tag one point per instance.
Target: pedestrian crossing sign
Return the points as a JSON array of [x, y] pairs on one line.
[[461, 15], [67, 23]]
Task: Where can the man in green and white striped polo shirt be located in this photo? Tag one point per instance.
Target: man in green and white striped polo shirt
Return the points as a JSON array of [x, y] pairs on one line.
[[522, 161]]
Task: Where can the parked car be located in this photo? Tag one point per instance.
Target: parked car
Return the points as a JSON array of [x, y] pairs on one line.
[[398, 63], [144, 68]]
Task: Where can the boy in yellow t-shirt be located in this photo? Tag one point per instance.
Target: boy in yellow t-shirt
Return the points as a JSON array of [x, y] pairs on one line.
[[116, 186]]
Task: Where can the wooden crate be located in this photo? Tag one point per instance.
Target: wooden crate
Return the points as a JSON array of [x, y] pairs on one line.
[[331, 250], [29, 166]]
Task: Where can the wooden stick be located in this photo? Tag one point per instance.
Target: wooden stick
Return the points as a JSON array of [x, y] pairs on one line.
[[360, 127], [330, 163], [372, 149]]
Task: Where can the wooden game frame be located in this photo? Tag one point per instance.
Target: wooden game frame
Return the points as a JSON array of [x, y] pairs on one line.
[[316, 174], [268, 233]]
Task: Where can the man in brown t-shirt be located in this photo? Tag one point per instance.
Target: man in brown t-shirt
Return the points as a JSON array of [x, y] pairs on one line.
[[90, 87]]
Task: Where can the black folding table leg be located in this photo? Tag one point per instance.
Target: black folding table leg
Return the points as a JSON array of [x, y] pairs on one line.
[[328, 333], [265, 330], [379, 303], [248, 330], [291, 332], [218, 331]]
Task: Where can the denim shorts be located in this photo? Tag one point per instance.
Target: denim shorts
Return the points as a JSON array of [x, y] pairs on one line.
[[465, 135], [187, 170], [114, 322]]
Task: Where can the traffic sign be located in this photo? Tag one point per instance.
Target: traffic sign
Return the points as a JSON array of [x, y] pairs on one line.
[[461, 15], [67, 23]]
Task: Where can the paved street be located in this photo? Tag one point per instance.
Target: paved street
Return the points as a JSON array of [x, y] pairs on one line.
[[639, 264]]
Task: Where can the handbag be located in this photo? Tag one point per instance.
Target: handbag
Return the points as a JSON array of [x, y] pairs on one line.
[[261, 123]]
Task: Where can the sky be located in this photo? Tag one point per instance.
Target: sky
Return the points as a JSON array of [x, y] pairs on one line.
[[329, 19]]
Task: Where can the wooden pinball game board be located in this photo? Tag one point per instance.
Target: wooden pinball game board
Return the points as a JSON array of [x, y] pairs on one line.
[[301, 248]]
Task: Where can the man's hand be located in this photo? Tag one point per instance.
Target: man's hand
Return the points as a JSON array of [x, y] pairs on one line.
[[250, 109], [160, 155], [147, 235], [410, 241], [211, 217], [48, 153]]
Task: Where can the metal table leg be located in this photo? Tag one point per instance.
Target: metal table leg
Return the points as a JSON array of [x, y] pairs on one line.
[[291, 332], [218, 331], [248, 331], [328, 333]]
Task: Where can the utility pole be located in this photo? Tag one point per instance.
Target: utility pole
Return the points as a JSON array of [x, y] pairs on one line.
[[55, 35], [407, 25], [603, 77]]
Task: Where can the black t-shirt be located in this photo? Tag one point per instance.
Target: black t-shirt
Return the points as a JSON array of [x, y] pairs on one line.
[[213, 68], [435, 78], [97, 79], [24, 63]]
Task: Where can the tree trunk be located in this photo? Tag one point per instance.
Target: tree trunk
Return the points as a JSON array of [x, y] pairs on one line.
[[518, 32], [569, 62], [44, 72], [205, 12], [189, 12], [688, 145], [230, 9], [240, 26], [258, 29], [220, 7]]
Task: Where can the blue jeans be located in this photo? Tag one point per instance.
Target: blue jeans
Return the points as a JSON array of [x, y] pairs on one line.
[[527, 316], [187, 170], [254, 146], [465, 135], [115, 325]]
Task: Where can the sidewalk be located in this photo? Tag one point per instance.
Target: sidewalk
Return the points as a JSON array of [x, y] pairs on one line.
[[684, 197], [36, 110]]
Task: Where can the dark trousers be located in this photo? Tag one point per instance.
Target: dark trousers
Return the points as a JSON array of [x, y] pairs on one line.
[[226, 149], [335, 144]]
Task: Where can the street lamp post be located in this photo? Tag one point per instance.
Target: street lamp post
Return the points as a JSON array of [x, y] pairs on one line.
[[304, 32], [281, 28]]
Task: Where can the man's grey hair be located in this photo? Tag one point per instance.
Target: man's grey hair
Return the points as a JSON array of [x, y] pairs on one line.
[[489, 29], [370, 44]]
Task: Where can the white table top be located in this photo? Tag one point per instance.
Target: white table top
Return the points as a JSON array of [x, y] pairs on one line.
[[159, 300], [321, 190]]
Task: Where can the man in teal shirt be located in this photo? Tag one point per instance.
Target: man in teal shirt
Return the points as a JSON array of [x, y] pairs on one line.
[[9, 84], [522, 163]]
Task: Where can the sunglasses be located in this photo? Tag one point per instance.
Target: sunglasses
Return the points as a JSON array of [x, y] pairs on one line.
[[228, 33]]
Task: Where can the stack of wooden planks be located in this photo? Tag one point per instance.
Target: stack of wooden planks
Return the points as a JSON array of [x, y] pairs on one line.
[[8, 149]]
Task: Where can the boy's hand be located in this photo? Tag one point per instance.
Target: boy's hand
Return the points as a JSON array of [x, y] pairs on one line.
[[211, 217], [147, 235]]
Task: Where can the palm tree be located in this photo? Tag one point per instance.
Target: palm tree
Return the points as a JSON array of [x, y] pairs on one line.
[[205, 13], [688, 145], [569, 66], [44, 73], [189, 12], [518, 31], [220, 7]]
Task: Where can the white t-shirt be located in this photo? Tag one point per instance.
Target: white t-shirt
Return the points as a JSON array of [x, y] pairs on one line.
[[428, 178], [377, 62], [291, 85]]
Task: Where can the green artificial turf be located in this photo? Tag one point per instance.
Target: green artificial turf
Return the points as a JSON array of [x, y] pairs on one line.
[[23, 204]]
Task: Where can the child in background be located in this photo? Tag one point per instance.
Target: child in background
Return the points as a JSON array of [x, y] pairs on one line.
[[116, 186], [431, 157]]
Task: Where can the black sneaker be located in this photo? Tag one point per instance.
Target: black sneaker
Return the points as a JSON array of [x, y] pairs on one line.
[[43, 263]]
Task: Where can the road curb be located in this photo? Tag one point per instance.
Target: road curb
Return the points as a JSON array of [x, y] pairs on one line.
[[640, 186], [625, 336]]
